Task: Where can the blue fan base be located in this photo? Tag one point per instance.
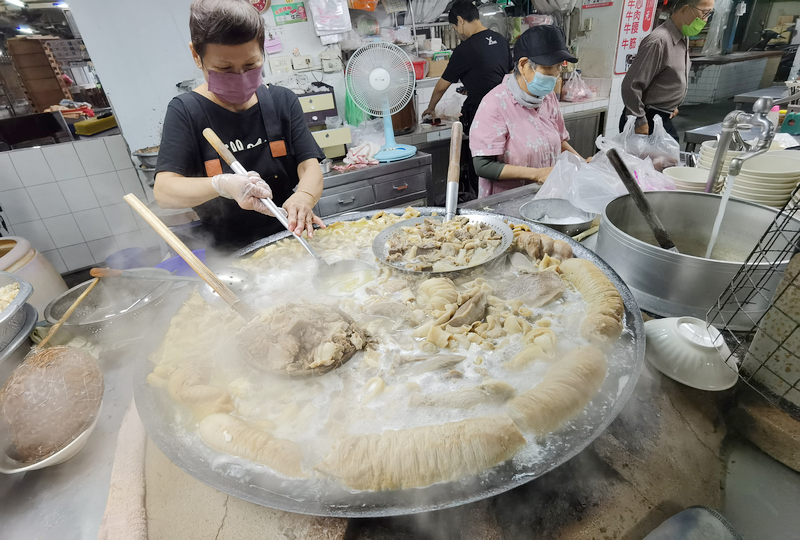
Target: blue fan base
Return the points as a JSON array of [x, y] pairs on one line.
[[395, 152]]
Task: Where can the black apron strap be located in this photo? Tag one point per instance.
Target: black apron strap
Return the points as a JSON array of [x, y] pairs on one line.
[[272, 123]]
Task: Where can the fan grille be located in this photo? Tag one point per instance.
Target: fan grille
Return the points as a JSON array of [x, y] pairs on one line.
[[401, 76]]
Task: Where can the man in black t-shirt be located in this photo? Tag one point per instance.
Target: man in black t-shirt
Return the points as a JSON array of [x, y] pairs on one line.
[[480, 62]]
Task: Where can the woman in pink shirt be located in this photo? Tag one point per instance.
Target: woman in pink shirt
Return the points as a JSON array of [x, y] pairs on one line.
[[518, 131]]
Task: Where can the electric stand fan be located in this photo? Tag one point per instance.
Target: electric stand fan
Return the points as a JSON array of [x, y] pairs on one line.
[[380, 80]]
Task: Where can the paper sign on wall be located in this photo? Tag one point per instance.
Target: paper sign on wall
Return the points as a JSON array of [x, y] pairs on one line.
[[289, 13], [635, 25], [260, 5], [588, 4]]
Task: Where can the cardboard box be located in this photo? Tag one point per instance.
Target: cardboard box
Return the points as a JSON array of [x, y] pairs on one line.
[[32, 73], [29, 60], [437, 67]]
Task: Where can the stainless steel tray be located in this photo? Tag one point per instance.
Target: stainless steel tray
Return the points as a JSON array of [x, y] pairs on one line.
[[226, 473], [13, 317], [381, 253]]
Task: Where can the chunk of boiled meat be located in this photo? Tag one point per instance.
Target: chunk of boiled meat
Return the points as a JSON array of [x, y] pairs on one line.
[[536, 289], [472, 310]]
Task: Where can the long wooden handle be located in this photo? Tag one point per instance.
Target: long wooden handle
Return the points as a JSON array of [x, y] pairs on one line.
[[454, 166], [105, 272], [65, 316], [186, 254], [219, 146]]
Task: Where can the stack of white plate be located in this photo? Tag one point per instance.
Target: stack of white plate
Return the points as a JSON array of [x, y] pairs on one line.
[[769, 178], [690, 178]]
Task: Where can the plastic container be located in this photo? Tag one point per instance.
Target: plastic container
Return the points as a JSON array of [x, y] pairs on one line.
[[774, 115], [18, 257], [364, 5], [178, 266], [126, 258], [420, 69]]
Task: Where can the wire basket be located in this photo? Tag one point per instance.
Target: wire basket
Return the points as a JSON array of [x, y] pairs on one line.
[[768, 355]]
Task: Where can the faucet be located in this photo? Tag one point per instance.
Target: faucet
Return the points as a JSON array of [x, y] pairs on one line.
[[737, 120]]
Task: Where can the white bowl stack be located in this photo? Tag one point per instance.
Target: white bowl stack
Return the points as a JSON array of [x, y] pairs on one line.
[[690, 178], [769, 179], [707, 151]]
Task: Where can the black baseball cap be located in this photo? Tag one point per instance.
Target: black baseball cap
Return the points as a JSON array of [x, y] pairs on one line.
[[543, 45]]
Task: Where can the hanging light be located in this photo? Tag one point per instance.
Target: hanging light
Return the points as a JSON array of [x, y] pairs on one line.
[[24, 30], [62, 5], [18, 3]]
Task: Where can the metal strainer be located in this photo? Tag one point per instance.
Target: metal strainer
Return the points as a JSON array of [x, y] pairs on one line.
[[116, 309]]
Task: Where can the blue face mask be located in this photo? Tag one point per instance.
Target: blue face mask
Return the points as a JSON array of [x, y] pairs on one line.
[[541, 85]]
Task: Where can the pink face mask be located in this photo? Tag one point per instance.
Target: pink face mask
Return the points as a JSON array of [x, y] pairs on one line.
[[234, 88]]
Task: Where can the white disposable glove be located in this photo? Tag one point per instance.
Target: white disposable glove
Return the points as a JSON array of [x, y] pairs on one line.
[[245, 190]]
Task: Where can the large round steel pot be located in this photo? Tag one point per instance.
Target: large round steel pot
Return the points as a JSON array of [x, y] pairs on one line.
[[678, 284], [225, 473]]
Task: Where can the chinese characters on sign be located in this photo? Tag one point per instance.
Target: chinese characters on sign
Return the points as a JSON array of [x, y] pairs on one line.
[[636, 23], [294, 12]]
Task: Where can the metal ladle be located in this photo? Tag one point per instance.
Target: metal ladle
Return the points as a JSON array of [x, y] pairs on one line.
[[327, 273]]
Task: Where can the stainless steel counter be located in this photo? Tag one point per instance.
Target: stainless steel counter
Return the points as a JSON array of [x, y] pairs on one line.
[[379, 186]]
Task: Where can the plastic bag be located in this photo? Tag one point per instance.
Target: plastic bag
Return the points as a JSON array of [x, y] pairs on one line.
[[576, 89], [659, 146], [330, 17], [591, 186], [369, 131]]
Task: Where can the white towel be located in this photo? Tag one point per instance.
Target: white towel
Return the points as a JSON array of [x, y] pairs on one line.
[[125, 517]]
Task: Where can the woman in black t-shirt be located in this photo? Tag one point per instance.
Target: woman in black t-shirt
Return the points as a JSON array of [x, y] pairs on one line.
[[263, 127]]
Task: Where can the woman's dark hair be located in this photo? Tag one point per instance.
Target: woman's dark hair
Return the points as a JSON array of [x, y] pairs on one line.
[[464, 9], [224, 22]]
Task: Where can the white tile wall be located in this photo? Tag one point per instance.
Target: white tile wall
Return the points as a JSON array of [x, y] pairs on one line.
[[48, 200], [64, 231], [63, 161], [66, 200], [9, 179], [36, 233], [55, 259], [77, 256], [31, 167], [93, 224], [708, 84], [94, 156], [18, 206], [107, 188], [79, 194]]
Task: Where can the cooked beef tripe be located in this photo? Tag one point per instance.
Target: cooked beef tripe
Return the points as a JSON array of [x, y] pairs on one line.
[[422, 456], [536, 289], [563, 393], [491, 391], [604, 307], [538, 245], [299, 339], [227, 434]]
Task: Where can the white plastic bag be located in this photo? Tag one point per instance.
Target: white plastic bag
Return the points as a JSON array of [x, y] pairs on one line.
[[591, 186], [659, 146], [368, 131], [330, 17], [576, 89]]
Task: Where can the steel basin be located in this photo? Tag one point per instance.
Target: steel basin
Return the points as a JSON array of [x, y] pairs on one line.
[[219, 471], [678, 284]]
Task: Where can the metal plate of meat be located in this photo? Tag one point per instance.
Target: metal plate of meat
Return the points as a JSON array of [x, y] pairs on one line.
[[304, 496], [380, 245]]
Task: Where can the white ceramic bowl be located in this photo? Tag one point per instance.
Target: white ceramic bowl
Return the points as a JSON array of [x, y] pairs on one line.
[[687, 175], [763, 192], [772, 164], [12, 466], [685, 350]]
